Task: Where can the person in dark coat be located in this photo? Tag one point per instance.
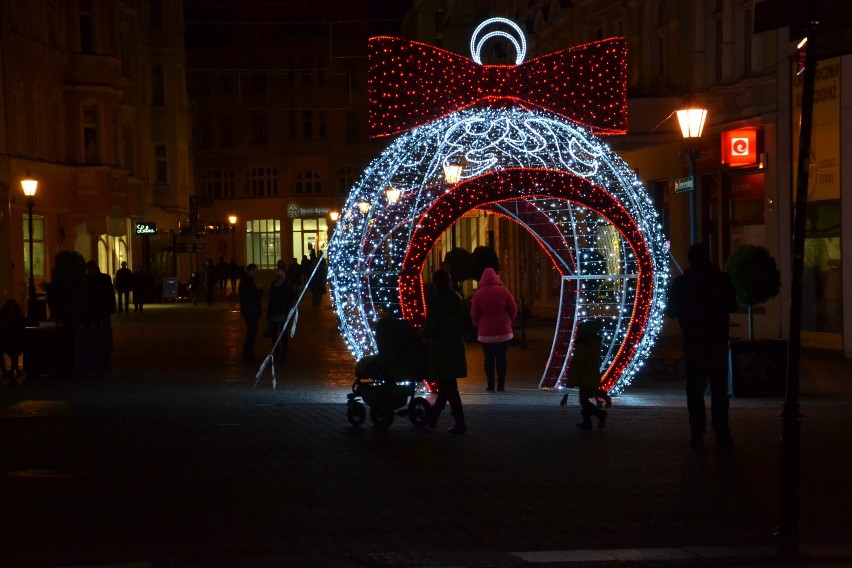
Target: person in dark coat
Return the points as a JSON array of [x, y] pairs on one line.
[[447, 323], [318, 283], [585, 372], [702, 299], [12, 325], [233, 272], [294, 274], [100, 305], [140, 289], [208, 278], [123, 285], [281, 300], [222, 273], [250, 310], [194, 287]]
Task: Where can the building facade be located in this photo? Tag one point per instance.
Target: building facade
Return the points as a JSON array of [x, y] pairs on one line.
[[94, 107], [280, 122], [686, 53]]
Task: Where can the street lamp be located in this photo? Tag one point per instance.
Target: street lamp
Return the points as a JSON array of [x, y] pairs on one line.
[[232, 219], [29, 184], [691, 122], [393, 194]]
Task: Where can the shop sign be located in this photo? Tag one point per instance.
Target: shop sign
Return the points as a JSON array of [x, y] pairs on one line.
[[145, 228], [739, 147], [295, 212]]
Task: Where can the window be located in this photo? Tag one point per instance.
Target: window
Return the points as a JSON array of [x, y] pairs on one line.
[[91, 145], [323, 125], [259, 133], [218, 183], [158, 86], [352, 133], [87, 44], [263, 242], [38, 246], [161, 164], [263, 181], [345, 179], [307, 124], [226, 131], [205, 132], [307, 182]]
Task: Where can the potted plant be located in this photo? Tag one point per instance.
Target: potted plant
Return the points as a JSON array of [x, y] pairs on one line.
[[757, 367], [52, 349]]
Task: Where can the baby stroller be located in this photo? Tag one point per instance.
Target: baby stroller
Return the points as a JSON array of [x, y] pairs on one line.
[[392, 382]]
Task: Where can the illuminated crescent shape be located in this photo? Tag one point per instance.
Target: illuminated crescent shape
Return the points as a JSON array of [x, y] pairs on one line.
[[520, 43], [582, 204]]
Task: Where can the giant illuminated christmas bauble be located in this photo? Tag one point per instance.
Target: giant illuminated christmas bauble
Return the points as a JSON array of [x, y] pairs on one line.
[[533, 159]]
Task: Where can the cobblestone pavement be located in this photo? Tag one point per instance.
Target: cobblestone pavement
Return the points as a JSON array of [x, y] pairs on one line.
[[173, 459]]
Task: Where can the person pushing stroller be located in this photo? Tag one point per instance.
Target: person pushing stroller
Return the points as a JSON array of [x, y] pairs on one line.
[[585, 373]]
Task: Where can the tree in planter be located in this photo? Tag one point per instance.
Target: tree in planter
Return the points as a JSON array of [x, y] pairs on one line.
[[755, 277]]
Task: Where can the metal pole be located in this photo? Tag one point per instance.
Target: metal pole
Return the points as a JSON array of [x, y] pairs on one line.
[[787, 536], [693, 233], [31, 310]]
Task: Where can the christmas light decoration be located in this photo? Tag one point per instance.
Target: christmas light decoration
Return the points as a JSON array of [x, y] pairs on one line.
[[549, 174]]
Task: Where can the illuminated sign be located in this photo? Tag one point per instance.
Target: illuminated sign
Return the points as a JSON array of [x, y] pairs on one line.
[[145, 229], [739, 147]]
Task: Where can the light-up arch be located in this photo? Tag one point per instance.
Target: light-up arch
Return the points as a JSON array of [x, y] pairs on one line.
[[548, 174]]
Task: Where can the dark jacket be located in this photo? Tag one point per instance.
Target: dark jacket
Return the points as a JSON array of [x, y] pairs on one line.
[[249, 298], [401, 352], [100, 297], [123, 279], [281, 299], [447, 323], [585, 368], [701, 298]]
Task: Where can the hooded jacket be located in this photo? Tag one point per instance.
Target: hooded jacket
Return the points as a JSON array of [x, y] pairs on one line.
[[493, 309]]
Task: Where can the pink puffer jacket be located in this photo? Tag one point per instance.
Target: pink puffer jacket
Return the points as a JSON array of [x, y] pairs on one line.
[[493, 309]]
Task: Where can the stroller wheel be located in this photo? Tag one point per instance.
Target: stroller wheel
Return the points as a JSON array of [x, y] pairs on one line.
[[418, 412], [355, 412], [382, 418]]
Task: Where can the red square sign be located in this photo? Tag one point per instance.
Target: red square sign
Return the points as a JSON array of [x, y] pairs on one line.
[[739, 147]]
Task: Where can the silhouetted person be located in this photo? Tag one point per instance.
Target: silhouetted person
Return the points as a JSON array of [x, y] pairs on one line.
[[702, 299], [317, 284], [281, 299], [194, 287], [233, 272], [140, 289], [12, 325], [447, 323], [208, 278], [222, 273], [294, 274], [123, 285], [585, 372], [250, 310], [100, 305]]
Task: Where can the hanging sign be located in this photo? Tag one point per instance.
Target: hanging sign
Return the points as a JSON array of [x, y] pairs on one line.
[[739, 147]]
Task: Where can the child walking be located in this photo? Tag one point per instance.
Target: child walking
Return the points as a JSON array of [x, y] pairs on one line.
[[585, 373]]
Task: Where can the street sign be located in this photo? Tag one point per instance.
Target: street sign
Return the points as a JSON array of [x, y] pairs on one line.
[[683, 185]]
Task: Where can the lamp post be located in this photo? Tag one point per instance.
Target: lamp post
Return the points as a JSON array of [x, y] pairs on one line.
[[232, 219], [691, 122], [29, 184]]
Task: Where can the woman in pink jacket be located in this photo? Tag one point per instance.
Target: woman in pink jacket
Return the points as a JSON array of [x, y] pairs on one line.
[[493, 309]]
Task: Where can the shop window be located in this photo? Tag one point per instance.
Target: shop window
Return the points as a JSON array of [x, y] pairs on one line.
[[263, 243], [822, 291], [38, 247]]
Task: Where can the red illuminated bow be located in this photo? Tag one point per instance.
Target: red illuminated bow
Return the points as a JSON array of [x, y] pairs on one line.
[[411, 84]]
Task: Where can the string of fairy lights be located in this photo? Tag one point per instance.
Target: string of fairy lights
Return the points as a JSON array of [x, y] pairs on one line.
[[544, 169]]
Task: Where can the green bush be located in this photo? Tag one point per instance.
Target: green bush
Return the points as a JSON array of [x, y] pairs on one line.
[[754, 275]]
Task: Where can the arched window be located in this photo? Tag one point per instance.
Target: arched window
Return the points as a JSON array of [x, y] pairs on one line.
[[308, 182], [217, 183], [263, 181]]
